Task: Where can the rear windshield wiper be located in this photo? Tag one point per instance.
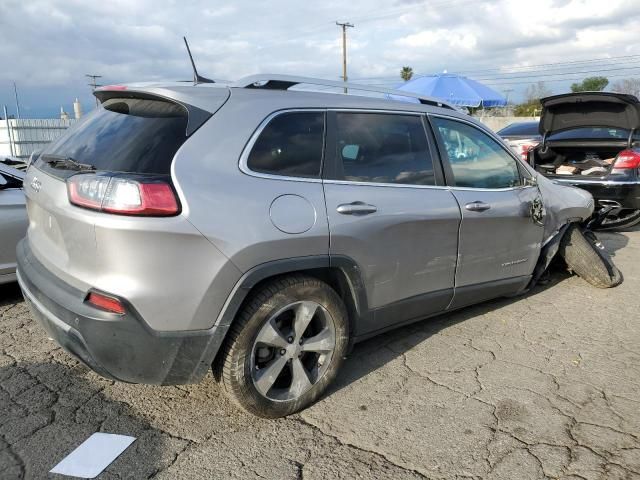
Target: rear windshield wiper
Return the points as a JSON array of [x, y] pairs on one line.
[[58, 161]]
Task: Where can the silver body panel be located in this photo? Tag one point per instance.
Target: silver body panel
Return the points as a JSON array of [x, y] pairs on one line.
[[13, 224]]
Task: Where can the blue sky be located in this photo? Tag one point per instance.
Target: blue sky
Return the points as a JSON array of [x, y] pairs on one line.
[[48, 46]]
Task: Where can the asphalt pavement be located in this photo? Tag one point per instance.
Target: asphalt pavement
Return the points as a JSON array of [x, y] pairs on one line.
[[541, 386]]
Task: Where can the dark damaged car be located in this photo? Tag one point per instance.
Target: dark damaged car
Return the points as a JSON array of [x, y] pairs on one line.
[[591, 140]]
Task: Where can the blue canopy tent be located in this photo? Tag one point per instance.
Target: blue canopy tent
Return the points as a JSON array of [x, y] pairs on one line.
[[454, 89]]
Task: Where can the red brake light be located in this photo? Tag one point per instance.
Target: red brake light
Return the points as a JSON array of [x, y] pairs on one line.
[[524, 150], [123, 195], [104, 302], [627, 159]]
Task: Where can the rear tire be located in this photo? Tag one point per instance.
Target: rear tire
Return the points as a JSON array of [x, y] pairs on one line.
[[285, 347], [586, 256], [623, 218]]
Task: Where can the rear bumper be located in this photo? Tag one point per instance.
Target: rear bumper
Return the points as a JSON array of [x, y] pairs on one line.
[[118, 347], [627, 194]]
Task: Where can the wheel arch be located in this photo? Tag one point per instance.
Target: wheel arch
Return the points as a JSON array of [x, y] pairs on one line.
[[340, 272]]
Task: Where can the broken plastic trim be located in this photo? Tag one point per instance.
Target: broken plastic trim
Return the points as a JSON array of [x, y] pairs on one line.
[[547, 253]]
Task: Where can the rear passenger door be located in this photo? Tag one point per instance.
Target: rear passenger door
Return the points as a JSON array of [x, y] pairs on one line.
[[500, 238], [390, 213]]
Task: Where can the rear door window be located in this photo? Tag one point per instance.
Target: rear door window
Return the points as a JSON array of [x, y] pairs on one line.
[[123, 135], [290, 145], [383, 148], [476, 159]]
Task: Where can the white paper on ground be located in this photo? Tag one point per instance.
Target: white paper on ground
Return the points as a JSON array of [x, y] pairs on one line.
[[94, 455]]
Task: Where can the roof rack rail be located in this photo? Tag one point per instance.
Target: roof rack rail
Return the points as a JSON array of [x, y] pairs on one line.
[[284, 82]]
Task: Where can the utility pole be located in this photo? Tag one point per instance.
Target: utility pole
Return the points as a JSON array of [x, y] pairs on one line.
[[344, 50], [15, 92], [93, 84]]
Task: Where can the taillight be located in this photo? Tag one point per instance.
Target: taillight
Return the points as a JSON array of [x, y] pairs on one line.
[[104, 302], [524, 150], [123, 195], [627, 159]]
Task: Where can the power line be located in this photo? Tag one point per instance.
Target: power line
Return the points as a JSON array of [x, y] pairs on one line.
[[558, 73], [559, 65], [566, 79]]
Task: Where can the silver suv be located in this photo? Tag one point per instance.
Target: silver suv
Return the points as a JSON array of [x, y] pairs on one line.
[[262, 231]]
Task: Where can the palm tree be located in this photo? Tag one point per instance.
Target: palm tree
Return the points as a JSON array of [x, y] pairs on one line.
[[406, 73]]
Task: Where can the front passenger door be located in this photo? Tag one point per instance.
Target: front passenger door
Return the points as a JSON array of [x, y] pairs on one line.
[[500, 240]]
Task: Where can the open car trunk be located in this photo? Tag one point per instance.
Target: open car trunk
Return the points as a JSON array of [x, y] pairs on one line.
[[584, 132], [581, 160]]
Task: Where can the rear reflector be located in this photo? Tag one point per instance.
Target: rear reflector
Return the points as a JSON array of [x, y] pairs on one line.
[[627, 159], [123, 195], [106, 303]]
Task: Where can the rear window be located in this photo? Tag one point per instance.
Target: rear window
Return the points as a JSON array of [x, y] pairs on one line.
[[290, 145], [520, 129], [124, 135]]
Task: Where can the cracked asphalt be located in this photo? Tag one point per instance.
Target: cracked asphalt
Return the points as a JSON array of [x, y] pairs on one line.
[[541, 386]]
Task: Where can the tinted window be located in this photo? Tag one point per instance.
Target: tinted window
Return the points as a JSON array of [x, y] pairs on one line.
[[477, 160], [520, 129], [383, 148], [290, 145], [124, 135]]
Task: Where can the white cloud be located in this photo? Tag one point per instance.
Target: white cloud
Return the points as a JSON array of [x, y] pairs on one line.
[[48, 46]]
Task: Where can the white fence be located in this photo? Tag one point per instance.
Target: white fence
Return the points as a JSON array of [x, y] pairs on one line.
[[20, 137], [498, 123]]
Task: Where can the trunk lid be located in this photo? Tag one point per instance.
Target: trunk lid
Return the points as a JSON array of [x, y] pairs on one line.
[[589, 109]]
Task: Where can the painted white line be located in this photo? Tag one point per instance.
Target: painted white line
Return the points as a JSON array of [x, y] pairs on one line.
[[95, 454]]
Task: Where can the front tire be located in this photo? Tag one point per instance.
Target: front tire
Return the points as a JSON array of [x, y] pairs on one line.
[[585, 255], [285, 347]]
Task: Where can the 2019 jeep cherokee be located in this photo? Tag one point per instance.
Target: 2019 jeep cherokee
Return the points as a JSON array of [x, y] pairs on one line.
[[262, 231]]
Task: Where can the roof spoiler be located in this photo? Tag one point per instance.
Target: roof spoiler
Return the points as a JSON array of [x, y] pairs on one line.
[[284, 82]]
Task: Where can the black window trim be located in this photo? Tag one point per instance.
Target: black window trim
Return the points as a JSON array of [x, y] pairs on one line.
[[332, 170], [244, 156], [446, 165]]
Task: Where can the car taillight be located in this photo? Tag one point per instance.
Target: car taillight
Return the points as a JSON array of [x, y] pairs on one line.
[[524, 150], [104, 302], [627, 159], [123, 195]]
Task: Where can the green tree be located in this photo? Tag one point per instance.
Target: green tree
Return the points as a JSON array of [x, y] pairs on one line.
[[406, 73], [590, 84]]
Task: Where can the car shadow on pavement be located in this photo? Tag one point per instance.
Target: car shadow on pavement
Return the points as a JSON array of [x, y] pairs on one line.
[[49, 408], [376, 352], [613, 241], [10, 293]]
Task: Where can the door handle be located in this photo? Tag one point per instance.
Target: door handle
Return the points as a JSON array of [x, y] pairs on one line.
[[477, 206], [356, 208]]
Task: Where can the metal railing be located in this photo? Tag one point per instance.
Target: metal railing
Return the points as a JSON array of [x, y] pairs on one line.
[[19, 137]]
